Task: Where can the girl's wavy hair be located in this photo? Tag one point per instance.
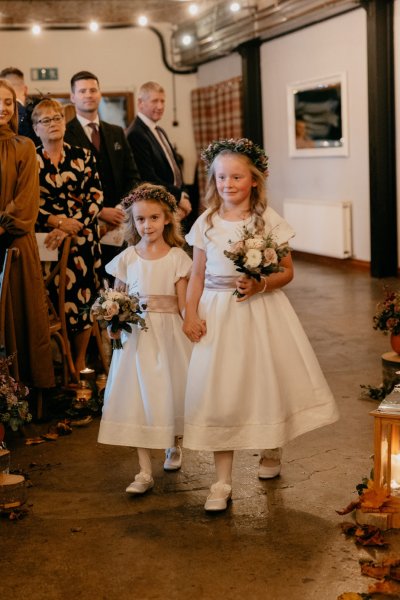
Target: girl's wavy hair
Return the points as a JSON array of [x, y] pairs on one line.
[[13, 123], [258, 199], [153, 193]]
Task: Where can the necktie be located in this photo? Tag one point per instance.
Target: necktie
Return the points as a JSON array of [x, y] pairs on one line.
[[95, 135], [170, 156]]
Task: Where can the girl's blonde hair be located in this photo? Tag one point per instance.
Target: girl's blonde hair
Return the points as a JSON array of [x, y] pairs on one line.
[[258, 200], [13, 122], [153, 193]]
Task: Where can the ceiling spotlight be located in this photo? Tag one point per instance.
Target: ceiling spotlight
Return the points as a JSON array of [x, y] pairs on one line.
[[143, 20], [235, 6], [36, 30], [93, 26], [193, 9], [187, 40]]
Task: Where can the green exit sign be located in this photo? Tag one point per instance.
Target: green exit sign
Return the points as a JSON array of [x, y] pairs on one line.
[[44, 74]]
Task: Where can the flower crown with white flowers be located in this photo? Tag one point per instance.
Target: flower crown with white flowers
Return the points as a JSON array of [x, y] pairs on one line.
[[241, 146], [147, 191]]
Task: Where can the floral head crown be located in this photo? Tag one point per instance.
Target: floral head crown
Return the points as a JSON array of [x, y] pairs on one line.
[[240, 146], [149, 192]]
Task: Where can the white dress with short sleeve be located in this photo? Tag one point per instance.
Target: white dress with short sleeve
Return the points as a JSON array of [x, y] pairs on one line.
[[253, 380], [144, 396]]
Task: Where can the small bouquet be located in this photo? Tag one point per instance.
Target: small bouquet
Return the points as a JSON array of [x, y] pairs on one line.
[[118, 310], [256, 255], [14, 408]]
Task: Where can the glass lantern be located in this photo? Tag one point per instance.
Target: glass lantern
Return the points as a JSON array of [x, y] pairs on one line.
[[387, 451]]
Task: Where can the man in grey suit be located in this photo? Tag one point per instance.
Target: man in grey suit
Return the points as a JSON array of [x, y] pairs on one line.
[[116, 165], [155, 156]]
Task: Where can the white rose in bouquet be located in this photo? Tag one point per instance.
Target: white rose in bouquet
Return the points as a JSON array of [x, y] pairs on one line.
[[256, 242], [110, 308], [253, 258]]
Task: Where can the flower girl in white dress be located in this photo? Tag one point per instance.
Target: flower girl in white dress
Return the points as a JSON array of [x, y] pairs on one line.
[[253, 379], [144, 396]]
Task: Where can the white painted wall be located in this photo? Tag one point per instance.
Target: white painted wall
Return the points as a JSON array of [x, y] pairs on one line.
[[334, 46], [219, 70], [122, 59]]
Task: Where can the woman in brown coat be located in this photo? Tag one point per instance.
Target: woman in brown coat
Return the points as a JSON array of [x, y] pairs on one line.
[[27, 324]]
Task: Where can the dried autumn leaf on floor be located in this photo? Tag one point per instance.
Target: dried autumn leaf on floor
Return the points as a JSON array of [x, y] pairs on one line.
[[351, 596], [34, 441], [366, 535], [64, 427], [391, 588], [82, 422], [50, 437], [387, 568], [349, 508], [373, 498]]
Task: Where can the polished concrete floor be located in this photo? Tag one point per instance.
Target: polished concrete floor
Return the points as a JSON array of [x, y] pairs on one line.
[[280, 539]]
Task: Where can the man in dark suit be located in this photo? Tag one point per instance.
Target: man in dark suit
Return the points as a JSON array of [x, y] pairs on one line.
[[155, 156], [15, 77], [117, 168]]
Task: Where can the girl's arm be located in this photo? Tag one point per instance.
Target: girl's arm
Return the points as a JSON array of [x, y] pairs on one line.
[[193, 326], [181, 289], [250, 286]]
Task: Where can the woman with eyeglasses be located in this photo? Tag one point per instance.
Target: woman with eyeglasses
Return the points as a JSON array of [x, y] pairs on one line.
[[26, 323], [70, 200]]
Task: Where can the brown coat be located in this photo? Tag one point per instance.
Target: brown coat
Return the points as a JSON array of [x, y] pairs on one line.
[[27, 324]]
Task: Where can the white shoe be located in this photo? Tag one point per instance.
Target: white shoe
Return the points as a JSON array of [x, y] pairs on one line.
[[270, 463], [218, 498], [143, 482], [173, 458]]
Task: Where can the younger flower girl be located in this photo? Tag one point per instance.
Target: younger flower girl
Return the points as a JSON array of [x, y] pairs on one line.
[[144, 397]]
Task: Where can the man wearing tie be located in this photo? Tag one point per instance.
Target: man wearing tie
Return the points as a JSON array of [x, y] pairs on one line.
[[154, 154], [116, 165]]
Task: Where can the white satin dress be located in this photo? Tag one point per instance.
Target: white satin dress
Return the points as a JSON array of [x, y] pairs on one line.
[[254, 380], [144, 396]]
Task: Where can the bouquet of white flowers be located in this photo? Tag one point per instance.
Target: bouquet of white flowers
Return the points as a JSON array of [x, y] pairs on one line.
[[119, 311], [256, 255]]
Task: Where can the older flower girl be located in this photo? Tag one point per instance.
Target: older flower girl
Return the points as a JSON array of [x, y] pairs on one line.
[[253, 379]]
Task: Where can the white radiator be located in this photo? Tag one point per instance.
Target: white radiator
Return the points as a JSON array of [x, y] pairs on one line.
[[321, 228]]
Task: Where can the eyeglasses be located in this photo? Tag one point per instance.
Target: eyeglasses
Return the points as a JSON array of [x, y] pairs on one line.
[[46, 121]]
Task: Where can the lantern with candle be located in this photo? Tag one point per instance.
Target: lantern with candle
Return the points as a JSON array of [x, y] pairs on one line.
[[386, 477]]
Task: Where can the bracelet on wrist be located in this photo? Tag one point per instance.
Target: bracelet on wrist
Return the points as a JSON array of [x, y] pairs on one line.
[[265, 286], [59, 223]]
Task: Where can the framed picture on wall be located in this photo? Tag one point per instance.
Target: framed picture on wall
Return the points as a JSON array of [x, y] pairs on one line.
[[317, 117]]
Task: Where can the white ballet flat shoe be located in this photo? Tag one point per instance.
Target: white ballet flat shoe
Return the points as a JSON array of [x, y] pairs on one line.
[[218, 498], [143, 482], [270, 464], [173, 459]]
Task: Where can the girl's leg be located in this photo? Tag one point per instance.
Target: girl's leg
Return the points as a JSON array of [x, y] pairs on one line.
[[143, 480], [221, 491], [270, 463], [223, 466], [144, 457]]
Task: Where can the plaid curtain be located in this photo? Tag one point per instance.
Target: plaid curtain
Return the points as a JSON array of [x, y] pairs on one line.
[[217, 113]]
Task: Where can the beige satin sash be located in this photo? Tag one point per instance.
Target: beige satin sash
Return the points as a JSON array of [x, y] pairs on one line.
[[160, 303], [220, 283]]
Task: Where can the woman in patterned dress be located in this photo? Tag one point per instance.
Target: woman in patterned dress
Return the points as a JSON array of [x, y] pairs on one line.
[[70, 200]]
